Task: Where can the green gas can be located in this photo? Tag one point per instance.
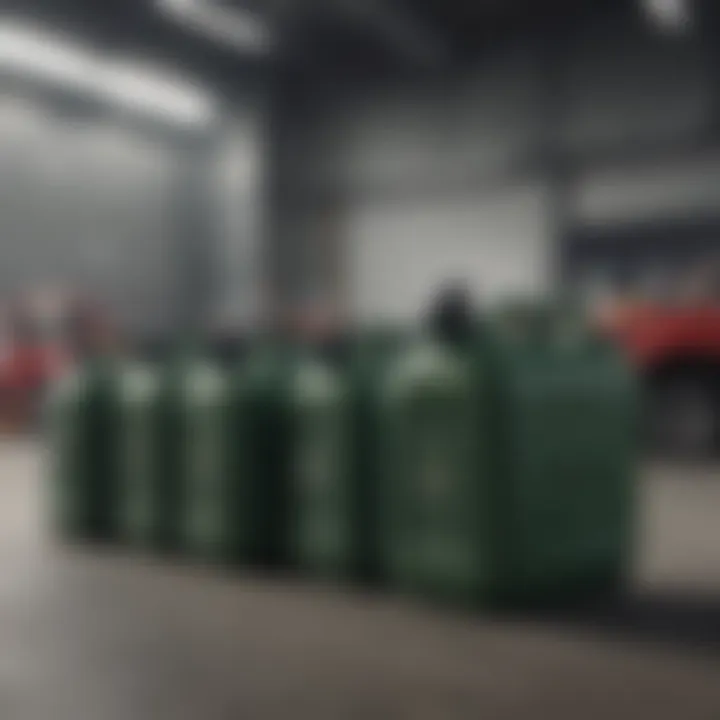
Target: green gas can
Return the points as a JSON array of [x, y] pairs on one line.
[[438, 473], [268, 391], [508, 465], [323, 532], [192, 459], [138, 492], [567, 436], [83, 427], [335, 471]]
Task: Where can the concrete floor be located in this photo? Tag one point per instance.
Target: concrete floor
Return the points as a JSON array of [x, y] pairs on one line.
[[86, 635]]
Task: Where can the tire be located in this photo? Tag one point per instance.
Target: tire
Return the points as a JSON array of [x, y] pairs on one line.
[[684, 421]]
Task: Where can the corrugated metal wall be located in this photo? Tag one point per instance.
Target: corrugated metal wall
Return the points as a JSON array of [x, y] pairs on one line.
[[648, 99], [238, 291], [630, 83], [407, 167], [86, 204], [431, 137], [411, 167], [93, 203]]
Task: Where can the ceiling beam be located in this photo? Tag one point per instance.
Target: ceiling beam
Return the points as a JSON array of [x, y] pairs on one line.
[[403, 30], [237, 28]]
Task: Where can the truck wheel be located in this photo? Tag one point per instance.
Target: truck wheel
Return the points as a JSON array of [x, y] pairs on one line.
[[684, 421]]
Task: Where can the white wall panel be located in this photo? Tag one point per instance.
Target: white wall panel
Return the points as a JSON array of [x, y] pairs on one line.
[[400, 253], [656, 191]]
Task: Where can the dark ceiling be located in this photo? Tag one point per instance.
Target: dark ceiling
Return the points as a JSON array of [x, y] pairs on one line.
[[324, 34], [476, 22]]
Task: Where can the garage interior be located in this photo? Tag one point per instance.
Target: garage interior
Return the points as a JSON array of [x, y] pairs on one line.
[[346, 158]]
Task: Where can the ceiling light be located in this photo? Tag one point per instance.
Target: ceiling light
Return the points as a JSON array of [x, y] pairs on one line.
[[45, 56], [31, 52], [144, 89], [239, 28], [669, 15]]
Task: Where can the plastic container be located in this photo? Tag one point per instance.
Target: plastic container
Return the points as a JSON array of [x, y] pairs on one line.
[[192, 460], [83, 421], [336, 461], [323, 524], [268, 387], [138, 496], [508, 465]]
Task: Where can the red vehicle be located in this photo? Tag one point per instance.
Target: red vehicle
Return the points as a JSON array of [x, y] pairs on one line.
[[677, 350]]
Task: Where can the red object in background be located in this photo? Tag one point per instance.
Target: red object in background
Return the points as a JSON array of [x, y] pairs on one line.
[[25, 372], [676, 349], [30, 367], [654, 335], [41, 336]]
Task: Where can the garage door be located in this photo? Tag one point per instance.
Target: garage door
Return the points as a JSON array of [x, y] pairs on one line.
[[399, 253]]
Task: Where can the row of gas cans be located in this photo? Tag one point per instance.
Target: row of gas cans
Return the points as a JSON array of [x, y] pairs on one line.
[[492, 470]]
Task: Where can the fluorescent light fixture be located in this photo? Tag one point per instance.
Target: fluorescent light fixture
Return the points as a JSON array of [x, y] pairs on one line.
[[31, 52], [45, 56], [669, 15], [147, 90], [238, 28]]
